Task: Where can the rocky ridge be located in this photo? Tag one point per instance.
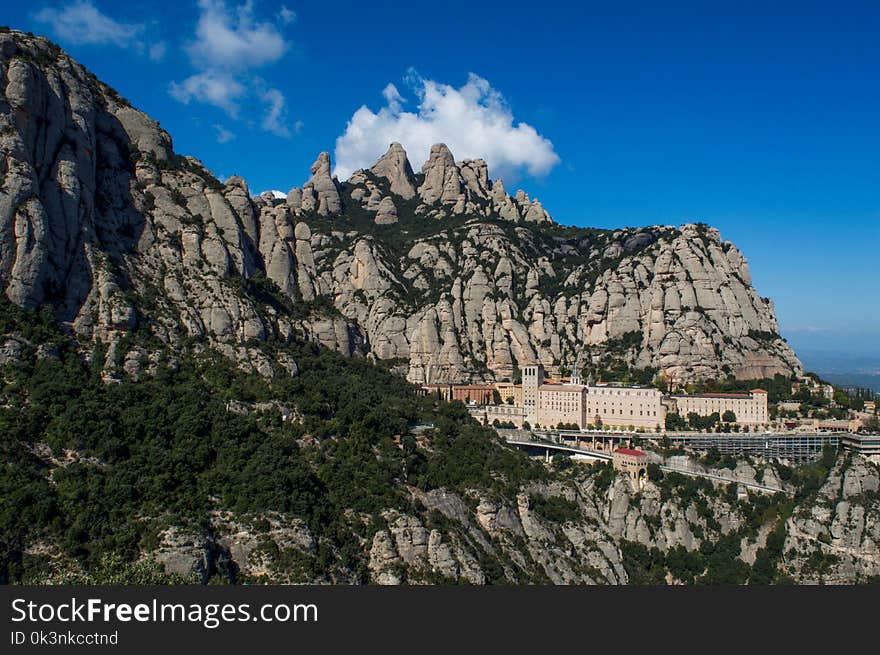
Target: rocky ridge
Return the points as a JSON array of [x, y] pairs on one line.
[[442, 271]]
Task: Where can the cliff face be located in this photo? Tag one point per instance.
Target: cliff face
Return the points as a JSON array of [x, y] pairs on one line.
[[478, 299], [442, 271], [586, 526], [671, 532], [836, 539]]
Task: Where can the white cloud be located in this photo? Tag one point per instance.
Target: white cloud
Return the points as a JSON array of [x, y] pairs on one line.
[[474, 120], [213, 88], [286, 16], [223, 135], [230, 44], [157, 51], [274, 121], [82, 23], [392, 95], [234, 39]]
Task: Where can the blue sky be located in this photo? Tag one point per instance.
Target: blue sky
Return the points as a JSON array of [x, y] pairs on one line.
[[763, 123]]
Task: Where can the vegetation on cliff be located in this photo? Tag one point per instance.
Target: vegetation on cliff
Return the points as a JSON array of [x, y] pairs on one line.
[[103, 468], [97, 473]]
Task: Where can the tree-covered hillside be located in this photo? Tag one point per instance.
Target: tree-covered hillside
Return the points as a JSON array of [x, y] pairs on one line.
[[344, 472], [101, 468]]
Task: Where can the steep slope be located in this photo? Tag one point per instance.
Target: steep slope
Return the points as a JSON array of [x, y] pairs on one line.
[[441, 272], [836, 537], [480, 298], [102, 221], [191, 474]]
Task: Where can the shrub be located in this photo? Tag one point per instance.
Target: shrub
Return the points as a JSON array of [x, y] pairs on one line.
[[554, 508]]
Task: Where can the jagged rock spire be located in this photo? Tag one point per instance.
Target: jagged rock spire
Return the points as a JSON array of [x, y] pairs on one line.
[[503, 203], [475, 174], [536, 213], [395, 167], [442, 179], [448, 188], [321, 192]]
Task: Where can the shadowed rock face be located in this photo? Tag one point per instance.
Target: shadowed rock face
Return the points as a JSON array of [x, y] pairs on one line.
[[447, 274]]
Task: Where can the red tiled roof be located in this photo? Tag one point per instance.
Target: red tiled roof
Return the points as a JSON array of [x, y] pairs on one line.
[[630, 451]]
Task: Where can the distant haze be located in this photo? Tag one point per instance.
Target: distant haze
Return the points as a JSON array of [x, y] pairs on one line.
[[858, 365]]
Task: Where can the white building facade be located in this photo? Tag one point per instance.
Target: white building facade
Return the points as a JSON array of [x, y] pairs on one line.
[[549, 404], [749, 408]]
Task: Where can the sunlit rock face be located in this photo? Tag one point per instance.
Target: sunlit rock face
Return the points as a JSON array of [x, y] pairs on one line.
[[442, 271]]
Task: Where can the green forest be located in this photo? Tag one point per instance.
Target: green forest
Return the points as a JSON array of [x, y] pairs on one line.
[[166, 450]]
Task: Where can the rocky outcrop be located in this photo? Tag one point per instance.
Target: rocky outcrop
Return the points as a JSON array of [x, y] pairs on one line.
[[504, 204], [451, 277], [676, 300], [831, 539], [191, 555], [260, 549], [395, 168], [835, 539], [386, 213], [409, 552], [321, 193], [442, 178]]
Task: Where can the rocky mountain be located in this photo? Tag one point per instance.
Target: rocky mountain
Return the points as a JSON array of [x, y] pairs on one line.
[[168, 410], [440, 272]]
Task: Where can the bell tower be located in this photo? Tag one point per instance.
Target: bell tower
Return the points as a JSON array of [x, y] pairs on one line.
[[532, 378]]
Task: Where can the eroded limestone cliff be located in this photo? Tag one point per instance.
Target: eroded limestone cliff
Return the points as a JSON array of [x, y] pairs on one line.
[[442, 272]]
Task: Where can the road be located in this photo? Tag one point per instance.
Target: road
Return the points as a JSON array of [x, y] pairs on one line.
[[524, 442]]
